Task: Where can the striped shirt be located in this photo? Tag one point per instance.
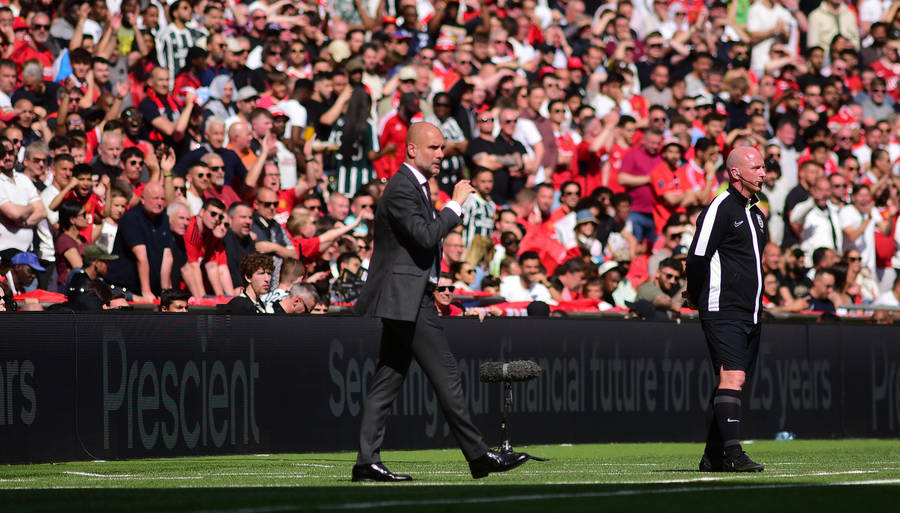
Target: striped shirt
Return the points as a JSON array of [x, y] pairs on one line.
[[352, 176], [451, 167], [172, 45], [478, 217]]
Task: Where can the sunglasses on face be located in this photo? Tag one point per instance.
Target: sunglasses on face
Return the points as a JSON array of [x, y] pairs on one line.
[[446, 288], [204, 175], [216, 215], [671, 276], [314, 207], [38, 26], [134, 162], [217, 168], [269, 204], [182, 189], [854, 259], [486, 120]]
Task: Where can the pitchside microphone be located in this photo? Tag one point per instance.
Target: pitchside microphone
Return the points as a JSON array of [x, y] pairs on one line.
[[497, 372], [507, 373]]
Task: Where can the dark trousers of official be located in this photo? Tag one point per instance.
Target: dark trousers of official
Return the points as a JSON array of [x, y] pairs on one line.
[[424, 340]]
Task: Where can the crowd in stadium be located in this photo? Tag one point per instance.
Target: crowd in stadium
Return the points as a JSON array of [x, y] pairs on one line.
[[162, 151]]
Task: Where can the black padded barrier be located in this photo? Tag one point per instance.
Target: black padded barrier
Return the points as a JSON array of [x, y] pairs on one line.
[[113, 386]]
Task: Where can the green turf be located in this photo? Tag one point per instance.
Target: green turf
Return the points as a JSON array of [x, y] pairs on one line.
[[838, 475]]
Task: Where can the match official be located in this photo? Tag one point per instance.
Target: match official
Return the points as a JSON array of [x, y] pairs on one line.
[[725, 280], [400, 289]]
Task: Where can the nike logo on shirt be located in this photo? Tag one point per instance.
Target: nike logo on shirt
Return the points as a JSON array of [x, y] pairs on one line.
[[732, 420], [738, 223]]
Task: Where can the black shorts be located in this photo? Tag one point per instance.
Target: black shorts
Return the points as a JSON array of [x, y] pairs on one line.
[[733, 344]]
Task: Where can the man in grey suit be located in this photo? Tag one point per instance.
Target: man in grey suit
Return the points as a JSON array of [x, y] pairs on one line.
[[400, 290]]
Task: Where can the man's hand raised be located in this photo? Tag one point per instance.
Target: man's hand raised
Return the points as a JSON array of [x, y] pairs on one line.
[[462, 190]]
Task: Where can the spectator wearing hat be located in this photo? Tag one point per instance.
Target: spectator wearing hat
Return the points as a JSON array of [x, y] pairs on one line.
[[670, 195], [94, 266], [245, 101], [609, 275], [22, 276], [587, 234], [21, 208]]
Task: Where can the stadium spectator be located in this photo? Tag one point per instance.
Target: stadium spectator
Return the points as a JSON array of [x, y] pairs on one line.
[[70, 243], [821, 295], [174, 301], [530, 285], [634, 175], [21, 209], [292, 272], [94, 266], [256, 272], [238, 243], [143, 243], [22, 276], [664, 290]]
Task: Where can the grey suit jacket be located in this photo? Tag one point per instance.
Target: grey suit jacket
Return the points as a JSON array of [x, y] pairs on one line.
[[408, 235]]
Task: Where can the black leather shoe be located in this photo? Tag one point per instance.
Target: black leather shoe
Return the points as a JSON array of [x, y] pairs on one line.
[[711, 463], [496, 462], [376, 472]]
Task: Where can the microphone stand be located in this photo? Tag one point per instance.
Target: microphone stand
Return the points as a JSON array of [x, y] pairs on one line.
[[505, 445]]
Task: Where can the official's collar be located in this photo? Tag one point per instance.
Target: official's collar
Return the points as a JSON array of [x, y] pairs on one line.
[[419, 176]]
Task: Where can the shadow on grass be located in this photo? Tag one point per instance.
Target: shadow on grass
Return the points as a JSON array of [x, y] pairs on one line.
[[476, 498]]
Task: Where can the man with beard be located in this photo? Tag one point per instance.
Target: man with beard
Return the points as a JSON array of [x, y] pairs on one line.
[[664, 290], [132, 125], [271, 237]]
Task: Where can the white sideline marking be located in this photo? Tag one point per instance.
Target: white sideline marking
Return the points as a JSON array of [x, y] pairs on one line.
[[91, 474]]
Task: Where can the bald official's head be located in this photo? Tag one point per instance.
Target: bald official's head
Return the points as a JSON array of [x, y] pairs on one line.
[[425, 148], [746, 170]]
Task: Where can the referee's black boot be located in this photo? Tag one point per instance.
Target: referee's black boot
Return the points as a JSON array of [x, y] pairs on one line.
[[711, 463], [496, 462], [376, 472], [741, 463]]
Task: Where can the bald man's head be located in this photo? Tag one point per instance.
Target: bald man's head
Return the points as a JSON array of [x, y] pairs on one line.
[[425, 148], [153, 198], [746, 170]]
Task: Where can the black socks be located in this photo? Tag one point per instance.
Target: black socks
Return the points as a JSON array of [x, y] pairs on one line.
[[727, 412]]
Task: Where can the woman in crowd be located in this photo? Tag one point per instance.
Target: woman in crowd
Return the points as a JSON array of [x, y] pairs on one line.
[[69, 244]]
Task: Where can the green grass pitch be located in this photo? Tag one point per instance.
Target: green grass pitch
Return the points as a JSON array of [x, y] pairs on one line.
[[823, 476]]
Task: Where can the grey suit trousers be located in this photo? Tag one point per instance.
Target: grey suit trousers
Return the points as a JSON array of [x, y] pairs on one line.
[[424, 340]]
